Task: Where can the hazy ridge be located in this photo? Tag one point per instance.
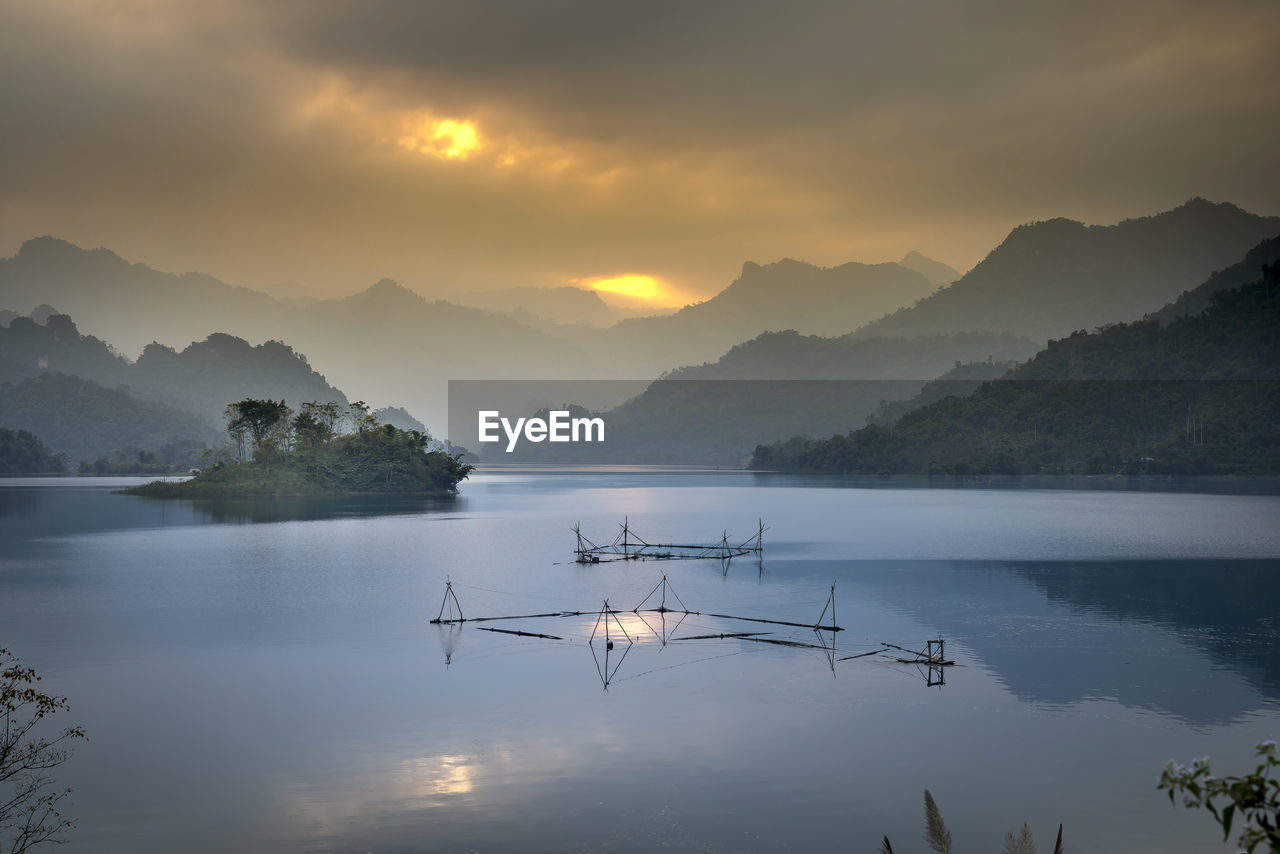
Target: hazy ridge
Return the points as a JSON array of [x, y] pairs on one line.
[[1051, 278], [784, 321]]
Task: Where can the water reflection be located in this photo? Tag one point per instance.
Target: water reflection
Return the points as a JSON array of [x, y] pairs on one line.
[[1197, 640], [608, 659], [1228, 609], [288, 674], [53, 507], [1184, 484], [269, 509], [407, 785]]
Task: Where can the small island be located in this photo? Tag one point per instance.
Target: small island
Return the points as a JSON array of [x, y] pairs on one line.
[[273, 450]]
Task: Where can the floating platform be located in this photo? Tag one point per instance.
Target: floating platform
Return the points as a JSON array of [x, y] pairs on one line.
[[628, 545]]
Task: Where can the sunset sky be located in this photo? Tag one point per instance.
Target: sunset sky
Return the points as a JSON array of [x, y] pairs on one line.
[[455, 145]]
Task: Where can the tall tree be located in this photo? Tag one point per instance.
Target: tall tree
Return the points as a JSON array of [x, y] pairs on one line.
[[261, 420]]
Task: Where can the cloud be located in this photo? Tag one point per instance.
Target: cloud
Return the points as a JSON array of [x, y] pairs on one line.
[[476, 144]]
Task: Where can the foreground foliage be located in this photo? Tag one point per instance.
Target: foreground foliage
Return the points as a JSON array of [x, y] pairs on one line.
[[938, 835], [29, 811], [1255, 797]]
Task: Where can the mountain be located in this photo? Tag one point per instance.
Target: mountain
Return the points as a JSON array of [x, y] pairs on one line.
[[790, 355], [1051, 278], [767, 389], [166, 396], [22, 453], [1196, 300], [207, 375], [390, 345], [385, 344], [29, 348], [86, 421], [787, 294], [1199, 395], [397, 417], [568, 306], [130, 304], [961, 381], [201, 379], [935, 271]]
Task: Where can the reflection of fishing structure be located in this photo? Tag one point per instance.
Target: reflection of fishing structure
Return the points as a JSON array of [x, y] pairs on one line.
[[611, 639], [628, 545], [934, 658]]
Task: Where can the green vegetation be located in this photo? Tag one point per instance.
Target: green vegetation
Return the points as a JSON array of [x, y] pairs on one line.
[[1255, 797], [89, 421], [788, 355], [174, 458], [83, 398], [1089, 404], [22, 453], [274, 450]]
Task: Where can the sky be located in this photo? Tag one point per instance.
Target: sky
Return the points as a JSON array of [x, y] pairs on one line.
[[474, 145]]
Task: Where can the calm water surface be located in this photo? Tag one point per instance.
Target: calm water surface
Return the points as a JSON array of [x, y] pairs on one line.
[[263, 676]]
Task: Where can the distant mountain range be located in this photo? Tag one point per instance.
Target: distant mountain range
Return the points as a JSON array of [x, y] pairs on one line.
[[1049, 279], [790, 355], [935, 271], [82, 398], [1198, 395], [537, 307], [784, 295], [390, 346], [770, 388]]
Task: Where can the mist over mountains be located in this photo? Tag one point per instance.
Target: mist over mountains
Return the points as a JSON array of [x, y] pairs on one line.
[[82, 398], [1049, 279], [1197, 395], [935, 271], [391, 346], [787, 294], [784, 321]]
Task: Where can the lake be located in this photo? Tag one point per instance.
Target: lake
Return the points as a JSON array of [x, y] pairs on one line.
[[263, 676]]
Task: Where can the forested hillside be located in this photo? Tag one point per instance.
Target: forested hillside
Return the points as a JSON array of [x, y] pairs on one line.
[[1200, 395], [22, 453], [88, 421]]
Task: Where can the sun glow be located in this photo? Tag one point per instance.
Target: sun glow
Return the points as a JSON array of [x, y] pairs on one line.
[[636, 287], [449, 139]]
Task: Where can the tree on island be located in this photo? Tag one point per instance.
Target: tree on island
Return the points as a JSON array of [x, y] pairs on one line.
[[316, 424], [278, 451], [28, 805], [258, 420]]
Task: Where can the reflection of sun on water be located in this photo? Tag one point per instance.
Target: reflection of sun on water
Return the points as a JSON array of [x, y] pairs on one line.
[[645, 627], [426, 782], [436, 775]]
